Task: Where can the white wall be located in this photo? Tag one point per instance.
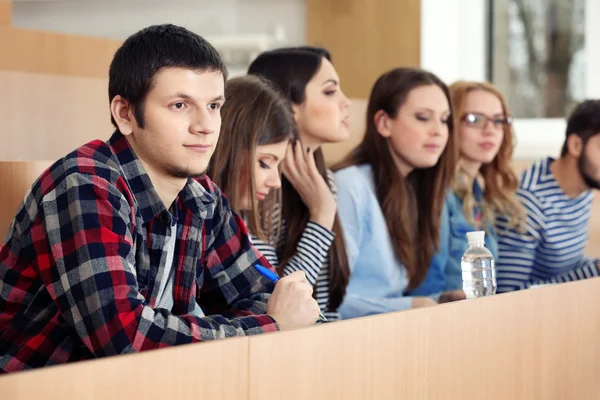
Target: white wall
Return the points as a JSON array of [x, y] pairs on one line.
[[453, 37], [453, 46], [453, 43], [262, 24], [120, 18]]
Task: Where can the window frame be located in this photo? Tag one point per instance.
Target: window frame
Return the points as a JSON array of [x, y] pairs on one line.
[[455, 45]]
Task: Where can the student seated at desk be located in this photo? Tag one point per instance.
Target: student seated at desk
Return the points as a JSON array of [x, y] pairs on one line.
[[257, 127], [310, 238], [391, 192], [117, 249], [485, 184], [557, 196]]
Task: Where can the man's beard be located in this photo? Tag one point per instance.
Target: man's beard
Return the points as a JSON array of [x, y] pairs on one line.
[[179, 171], [584, 166]]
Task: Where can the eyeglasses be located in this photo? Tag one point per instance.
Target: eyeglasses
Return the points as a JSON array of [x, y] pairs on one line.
[[478, 120]]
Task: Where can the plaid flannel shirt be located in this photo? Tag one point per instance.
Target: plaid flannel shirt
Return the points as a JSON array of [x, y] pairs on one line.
[[79, 267]]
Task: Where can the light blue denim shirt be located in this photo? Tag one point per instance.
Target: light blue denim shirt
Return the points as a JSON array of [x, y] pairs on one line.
[[457, 229], [378, 280]]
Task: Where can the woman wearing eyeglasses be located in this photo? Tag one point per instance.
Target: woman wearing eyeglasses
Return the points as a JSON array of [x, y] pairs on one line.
[[485, 184]]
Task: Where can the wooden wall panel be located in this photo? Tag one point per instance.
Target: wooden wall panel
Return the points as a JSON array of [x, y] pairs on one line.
[[15, 180], [366, 37], [5, 13], [55, 53], [44, 117]]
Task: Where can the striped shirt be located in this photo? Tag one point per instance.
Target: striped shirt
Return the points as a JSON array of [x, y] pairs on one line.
[[550, 249], [312, 254]]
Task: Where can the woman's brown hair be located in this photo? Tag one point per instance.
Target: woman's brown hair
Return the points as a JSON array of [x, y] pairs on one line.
[[291, 69], [412, 206], [255, 114], [499, 179]]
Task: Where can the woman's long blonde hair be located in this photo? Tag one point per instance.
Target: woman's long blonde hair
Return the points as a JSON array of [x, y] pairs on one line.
[[497, 178]]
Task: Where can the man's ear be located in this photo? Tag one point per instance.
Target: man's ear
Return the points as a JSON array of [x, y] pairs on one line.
[[383, 123], [122, 113], [575, 145]]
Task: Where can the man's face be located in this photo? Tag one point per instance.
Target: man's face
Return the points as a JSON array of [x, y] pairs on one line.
[[589, 162], [182, 120]]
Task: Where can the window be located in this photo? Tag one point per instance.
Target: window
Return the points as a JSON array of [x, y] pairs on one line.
[[537, 55]]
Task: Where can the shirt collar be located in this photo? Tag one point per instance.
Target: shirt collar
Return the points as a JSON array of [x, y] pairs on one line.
[[196, 195], [477, 190]]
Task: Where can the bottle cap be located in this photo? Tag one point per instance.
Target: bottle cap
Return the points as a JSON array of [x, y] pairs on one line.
[[477, 237]]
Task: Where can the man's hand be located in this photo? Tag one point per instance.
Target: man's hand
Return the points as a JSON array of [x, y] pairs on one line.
[[291, 304]]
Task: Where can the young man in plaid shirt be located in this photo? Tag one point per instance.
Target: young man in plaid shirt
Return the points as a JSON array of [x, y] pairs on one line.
[[117, 249]]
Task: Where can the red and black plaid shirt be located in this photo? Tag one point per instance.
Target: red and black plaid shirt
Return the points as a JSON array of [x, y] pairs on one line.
[[78, 272]]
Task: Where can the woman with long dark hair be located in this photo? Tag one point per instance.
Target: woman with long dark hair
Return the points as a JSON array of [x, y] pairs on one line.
[[391, 192], [310, 237], [257, 125]]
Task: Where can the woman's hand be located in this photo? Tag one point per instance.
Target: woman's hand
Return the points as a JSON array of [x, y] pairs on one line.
[[300, 169]]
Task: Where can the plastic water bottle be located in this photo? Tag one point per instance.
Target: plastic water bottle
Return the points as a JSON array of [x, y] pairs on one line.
[[478, 267]]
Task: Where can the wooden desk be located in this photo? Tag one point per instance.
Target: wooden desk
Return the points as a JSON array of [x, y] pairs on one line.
[[536, 344], [212, 370]]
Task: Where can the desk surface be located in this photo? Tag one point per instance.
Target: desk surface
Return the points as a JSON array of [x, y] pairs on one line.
[[536, 344], [215, 370]]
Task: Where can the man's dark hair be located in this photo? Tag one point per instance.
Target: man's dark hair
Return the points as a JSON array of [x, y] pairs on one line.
[[148, 51], [584, 122]]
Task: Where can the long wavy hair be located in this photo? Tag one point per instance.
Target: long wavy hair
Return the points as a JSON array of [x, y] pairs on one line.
[[291, 69], [411, 205], [255, 114], [498, 179]]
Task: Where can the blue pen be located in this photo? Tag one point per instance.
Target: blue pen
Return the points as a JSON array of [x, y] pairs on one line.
[[270, 275]]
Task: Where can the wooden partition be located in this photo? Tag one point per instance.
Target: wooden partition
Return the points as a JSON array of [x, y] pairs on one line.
[[15, 180], [5, 13], [29, 50], [365, 37], [54, 91], [536, 344], [45, 116]]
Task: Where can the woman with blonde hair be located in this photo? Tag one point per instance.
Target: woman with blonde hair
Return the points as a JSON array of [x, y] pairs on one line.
[[485, 184]]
